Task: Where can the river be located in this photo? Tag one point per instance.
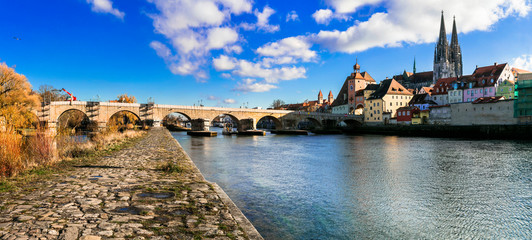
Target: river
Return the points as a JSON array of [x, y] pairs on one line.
[[372, 187]]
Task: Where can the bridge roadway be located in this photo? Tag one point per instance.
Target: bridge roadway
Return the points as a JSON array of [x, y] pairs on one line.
[[101, 112]]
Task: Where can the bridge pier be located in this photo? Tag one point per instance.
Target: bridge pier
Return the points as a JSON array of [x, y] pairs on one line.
[[247, 124]]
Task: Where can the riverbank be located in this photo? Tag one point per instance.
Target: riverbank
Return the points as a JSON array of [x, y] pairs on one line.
[[148, 189], [522, 132]]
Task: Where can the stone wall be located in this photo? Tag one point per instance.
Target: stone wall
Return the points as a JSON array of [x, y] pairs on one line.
[[498, 113]]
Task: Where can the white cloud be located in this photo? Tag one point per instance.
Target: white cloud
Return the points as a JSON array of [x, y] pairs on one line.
[[233, 49], [237, 6], [522, 62], [350, 6], [288, 50], [229, 101], [212, 98], [220, 37], [162, 50], [421, 25], [226, 75], [105, 6], [194, 28], [323, 16], [223, 63], [270, 75], [263, 19], [292, 16], [251, 85]]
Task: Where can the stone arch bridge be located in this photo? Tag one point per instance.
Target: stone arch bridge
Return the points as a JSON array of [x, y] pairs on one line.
[[101, 112]]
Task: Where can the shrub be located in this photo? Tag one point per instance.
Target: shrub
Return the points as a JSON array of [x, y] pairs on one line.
[[10, 153]]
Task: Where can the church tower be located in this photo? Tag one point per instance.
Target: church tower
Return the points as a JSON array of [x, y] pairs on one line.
[[320, 98], [456, 52], [330, 98], [447, 59]]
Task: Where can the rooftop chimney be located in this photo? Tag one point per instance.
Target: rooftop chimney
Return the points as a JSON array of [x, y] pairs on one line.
[[495, 64]]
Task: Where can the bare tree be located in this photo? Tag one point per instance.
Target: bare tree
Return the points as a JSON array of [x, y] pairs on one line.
[[277, 103]]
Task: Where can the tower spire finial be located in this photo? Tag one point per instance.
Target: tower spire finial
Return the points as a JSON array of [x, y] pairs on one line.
[[356, 67]]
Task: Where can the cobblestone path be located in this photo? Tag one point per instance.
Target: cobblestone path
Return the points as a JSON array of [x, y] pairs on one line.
[[124, 195]]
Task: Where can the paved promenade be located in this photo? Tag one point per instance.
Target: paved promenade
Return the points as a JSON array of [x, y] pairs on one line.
[[125, 196]]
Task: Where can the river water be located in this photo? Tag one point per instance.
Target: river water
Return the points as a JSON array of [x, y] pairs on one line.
[[372, 187]]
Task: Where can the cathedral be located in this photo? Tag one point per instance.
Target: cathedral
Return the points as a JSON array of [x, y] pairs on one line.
[[447, 62], [447, 58]]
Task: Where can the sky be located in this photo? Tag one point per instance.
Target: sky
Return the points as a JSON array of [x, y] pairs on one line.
[[244, 53]]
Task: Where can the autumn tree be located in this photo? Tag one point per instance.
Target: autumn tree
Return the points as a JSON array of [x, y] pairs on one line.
[[49, 93], [124, 98], [16, 99], [277, 103]]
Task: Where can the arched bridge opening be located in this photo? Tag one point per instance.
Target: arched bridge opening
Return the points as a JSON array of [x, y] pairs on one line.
[[309, 124], [269, 122], [177, 121], [74, 121], [123, 120]]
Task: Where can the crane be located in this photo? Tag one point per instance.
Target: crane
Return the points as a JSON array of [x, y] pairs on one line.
[[72, 97]]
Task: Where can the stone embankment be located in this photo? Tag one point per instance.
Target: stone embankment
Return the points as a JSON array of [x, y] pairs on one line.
[[125, 196]]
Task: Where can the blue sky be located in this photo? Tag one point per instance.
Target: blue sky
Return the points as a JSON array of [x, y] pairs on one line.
[[241, 52]]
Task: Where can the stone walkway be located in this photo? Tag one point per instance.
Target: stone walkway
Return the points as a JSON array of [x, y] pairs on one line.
[[125, 196]]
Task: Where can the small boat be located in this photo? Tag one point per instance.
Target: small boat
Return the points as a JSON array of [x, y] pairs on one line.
[[228, 129]]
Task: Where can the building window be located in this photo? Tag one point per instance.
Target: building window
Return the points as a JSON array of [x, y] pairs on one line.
[[408, 113]]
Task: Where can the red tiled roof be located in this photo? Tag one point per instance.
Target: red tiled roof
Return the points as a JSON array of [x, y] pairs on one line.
[[488, 99]]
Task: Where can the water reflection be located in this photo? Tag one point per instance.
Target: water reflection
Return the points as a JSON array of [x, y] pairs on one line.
[[351, 187]]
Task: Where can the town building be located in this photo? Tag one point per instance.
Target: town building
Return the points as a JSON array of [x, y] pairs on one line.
[[319, 105], [485, 81], [405, 114], [420, 117], [483, 111], [523, 102], [506, 89], [415, 80], [387, 98], [345, 100], [440, 91], [359, 101], [422, 101]]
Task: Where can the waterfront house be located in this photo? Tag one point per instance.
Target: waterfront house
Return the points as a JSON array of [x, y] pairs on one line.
[[420, 117], [439, 91], [440, 114], [485, 81], [389, 96], [455, 93], [484, 111], [523, 102], [359, 102], [506, 89], [405, 114], [517, 71], [422, 101]]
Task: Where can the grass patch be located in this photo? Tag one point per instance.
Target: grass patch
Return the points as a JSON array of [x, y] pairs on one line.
[[6, 186], [28, 179], [170, 167]]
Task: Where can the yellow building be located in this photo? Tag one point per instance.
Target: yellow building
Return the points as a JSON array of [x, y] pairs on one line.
[[389, 96]]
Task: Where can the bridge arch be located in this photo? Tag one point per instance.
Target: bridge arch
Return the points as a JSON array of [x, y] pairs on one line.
[[351, 123], [234, 120], [123, 119], [269, 122], [176, 114], [73, 120], [309, 123]]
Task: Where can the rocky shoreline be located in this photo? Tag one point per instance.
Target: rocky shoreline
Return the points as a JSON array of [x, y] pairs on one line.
[[125, 195]]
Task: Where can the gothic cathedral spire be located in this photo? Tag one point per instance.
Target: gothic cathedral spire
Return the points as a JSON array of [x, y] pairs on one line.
[[456, 52], [447, 59]]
